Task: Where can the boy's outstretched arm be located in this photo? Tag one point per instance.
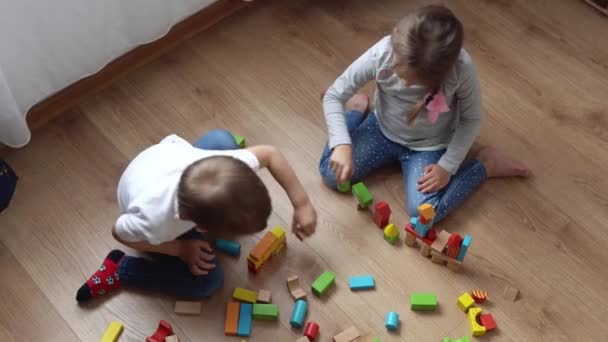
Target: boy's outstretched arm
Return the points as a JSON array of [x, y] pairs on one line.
[[304, 215]]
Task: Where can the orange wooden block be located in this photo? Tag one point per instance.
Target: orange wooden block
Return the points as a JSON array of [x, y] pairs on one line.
[[232, 318], [263, 246]]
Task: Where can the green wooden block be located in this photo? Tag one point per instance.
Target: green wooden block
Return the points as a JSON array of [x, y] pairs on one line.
[[423, 301], [364, 198], [266, 312], [377, 339], [391, 239], [240, 140], [344, 187], [323, 282]]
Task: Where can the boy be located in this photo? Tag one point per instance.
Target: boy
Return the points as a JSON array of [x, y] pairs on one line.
[[171, 187]]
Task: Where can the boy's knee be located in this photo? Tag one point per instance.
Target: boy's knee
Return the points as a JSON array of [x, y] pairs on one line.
[[206, 285], [219, 139]]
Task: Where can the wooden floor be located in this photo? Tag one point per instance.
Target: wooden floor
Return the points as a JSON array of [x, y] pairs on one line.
[[544, 70]]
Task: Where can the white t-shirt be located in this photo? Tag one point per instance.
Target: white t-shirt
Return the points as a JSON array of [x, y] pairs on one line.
[[147, 190]]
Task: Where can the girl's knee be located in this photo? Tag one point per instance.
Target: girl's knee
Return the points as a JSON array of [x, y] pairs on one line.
[[328, 177]]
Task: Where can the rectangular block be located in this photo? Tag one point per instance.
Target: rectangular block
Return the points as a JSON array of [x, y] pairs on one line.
[[266, 312], [303, 339], [344, 187], [423, 301], [230, 247], [465, 301], [441, 242], [232, 318], [347, 335], [322, 283], [240, 140], [187, 308], [112, 332], [476, 328], [487, 320], [245, 312], [264, 296], [244, 295], [363, 282], [363, 196], [464, 247], [172, 338]]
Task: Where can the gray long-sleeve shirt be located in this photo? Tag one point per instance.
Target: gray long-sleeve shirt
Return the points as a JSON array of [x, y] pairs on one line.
[[456, 129]]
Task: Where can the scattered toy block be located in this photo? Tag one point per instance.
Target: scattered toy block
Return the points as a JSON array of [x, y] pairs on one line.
[[266, 312], [232, 318], [172, 338], [510, 293], [453, 247], [462, 339], [487, 320], [476, 328], [296, 291], [347, 335], [230, 247], [391, 233], [479, 296], [303, 339], [377, 339], [240, 140], [362, 195], [112, 332], [423, 301], [264, 296], [382, 214], [465, 301], [425, 250], [164, 329], [187, 308], [344, 187], [427, 211], [441, 242], [392, 321], [322, 283], [311, 330], [244, 295], [466, 242], [245, 313], [298, 313], [364, 282]]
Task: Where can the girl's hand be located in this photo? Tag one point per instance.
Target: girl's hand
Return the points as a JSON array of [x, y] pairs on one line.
[[434, 179], [304, 219], [197, 254], [341, 163]]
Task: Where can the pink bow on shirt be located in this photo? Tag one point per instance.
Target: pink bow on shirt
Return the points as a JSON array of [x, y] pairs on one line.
[[436, 106]]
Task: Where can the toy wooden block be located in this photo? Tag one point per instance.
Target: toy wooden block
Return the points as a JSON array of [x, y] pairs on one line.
[[172, 338], [476, 328], [298, 313], [479, 296], [322, 283], [303, 339], [466, 242], [441, 242], [453, 247], [510, 293], [230, 247], [344, 187], [112, 332], [232, 318], [266, 312], [427, 211], [296, 291], [462, 339], [454, 265], [382, 214], [271, 244], [410, 239], [244, 326], [392, 321], [438, 258], [240, 140], [487, 320], [362, 195], [423, 301], [187, 308], [311, 330], [465, 301], [377, 339], [425, 250], [164, 329], [244, 295], [347, 335], [364, 282], [391, 233], [264, 296]]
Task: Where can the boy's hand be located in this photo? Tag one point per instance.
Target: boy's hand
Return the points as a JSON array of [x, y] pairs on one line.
[[197, 254], [434, 179], [304, 220], [341, 162]]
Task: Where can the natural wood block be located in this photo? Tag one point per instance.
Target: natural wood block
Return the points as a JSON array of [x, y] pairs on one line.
[[172, 338], [510, 293], [347, 335], [441, 242], [410, 239], [264, 296], [188, 308], [425, 250]]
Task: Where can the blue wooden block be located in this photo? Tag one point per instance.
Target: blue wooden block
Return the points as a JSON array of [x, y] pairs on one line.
[[421, 228], [227, 246], [298, 313], [463, 248], [363, 282], [245, 314], [392, 321]]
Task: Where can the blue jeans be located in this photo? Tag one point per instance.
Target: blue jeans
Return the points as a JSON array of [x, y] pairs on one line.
[[372, 150], [168, 274]]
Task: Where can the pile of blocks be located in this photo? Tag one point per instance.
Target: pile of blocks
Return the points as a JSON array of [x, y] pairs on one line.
[[479, 323], [249, 305]]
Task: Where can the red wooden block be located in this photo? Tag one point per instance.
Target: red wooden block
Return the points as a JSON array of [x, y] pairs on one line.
[[164, 329], [311, 330], [431, 235], [487, 320], [479, 296], [423, 220], [382, 214], [454, 242]]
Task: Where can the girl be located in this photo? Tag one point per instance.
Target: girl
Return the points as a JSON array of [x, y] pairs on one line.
[[427, 115]]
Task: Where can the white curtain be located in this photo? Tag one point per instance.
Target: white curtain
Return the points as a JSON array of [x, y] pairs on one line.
[[46, 45]]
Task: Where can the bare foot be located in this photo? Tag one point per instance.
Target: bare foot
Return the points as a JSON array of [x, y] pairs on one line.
[[500, 165], [358, 102]]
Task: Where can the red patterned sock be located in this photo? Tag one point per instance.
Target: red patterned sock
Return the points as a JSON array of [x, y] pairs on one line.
[[104, 280]]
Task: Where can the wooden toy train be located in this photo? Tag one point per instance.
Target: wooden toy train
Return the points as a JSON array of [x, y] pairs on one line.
[[271, 244]]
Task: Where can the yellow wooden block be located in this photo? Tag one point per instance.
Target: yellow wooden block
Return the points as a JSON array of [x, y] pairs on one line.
[[427, 211], [476, 328], [391, 231], [112, 333], [244, 295], [465, 302]]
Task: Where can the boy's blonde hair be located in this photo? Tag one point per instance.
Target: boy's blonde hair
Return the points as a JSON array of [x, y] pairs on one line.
[[427, 42], [223, 194]]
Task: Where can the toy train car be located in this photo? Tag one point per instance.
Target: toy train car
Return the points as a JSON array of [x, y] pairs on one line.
[[271, 244]]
